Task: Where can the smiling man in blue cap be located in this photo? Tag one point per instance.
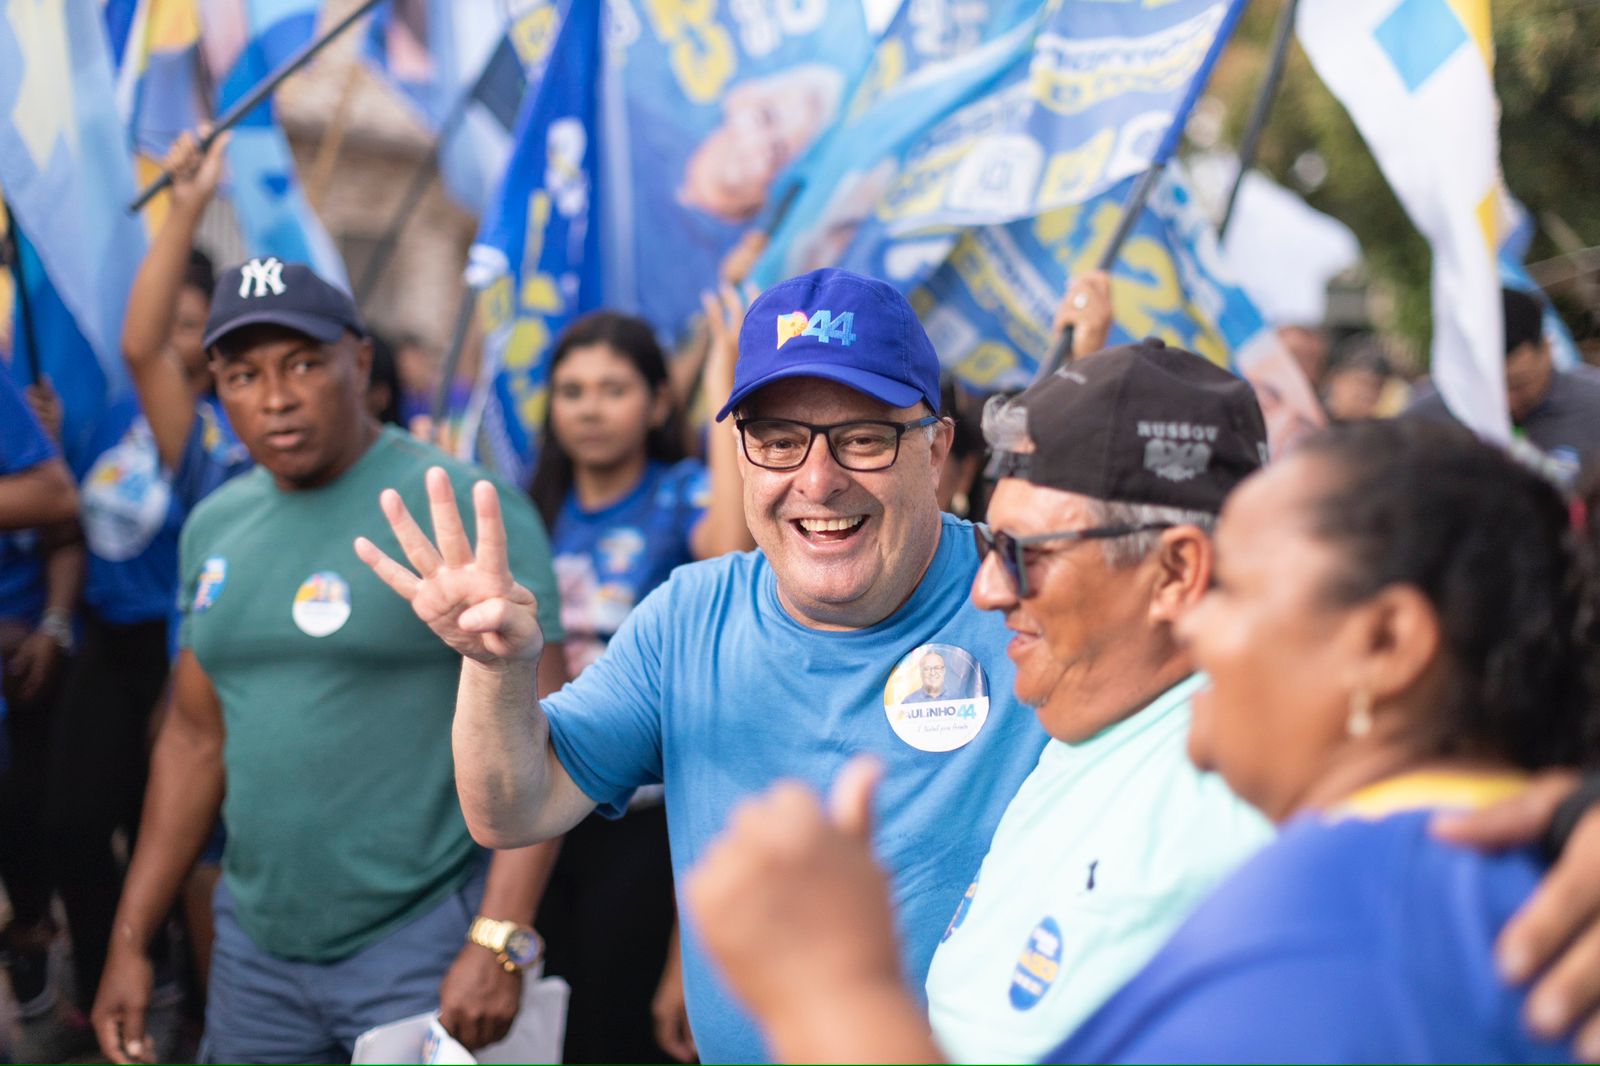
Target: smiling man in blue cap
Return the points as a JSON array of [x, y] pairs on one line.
[[777, 663]]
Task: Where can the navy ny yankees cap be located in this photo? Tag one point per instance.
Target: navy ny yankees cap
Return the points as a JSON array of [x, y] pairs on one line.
[[1138, 423], [269, 291], [842, 326]]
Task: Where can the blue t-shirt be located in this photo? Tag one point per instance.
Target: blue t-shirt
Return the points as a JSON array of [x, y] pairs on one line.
[[23, 444], [1350, 940], [609, 559], [712, 688], [133, 510]]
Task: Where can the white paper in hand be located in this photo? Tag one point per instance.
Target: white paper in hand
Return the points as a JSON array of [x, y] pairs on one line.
[[535, 1035]]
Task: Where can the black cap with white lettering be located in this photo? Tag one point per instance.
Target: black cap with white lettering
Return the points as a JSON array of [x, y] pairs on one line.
[[269, 291], [1138, 423]]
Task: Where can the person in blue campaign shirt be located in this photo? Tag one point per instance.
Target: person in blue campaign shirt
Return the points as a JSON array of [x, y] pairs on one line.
[[624, 508], [755, 666], [1399, 632], [152, 457], [36, 491]]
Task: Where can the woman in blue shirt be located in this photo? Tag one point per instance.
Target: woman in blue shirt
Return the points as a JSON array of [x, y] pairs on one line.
[[624, 507], [1398, 626]]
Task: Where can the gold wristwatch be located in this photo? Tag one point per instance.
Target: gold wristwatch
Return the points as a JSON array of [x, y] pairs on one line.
[[516, 946]]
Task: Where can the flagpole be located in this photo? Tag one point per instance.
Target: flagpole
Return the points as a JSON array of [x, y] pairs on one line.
[[452, 359], [1263, 106], [1061, 353], [263, 88], [24, 308]]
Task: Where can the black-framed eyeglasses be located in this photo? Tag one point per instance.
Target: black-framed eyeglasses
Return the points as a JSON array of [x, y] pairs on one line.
[[1012, 550], [784, 444]]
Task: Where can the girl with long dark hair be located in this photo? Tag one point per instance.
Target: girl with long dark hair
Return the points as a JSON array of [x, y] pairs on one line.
[[624, 507]]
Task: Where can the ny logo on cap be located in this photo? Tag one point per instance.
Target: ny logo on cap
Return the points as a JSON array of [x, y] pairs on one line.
[[265, 274]]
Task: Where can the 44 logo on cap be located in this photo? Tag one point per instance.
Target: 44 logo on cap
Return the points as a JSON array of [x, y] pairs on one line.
[[823, 325]]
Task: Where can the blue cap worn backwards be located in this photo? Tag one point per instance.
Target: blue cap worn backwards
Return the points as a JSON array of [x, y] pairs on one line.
[[845, 327]]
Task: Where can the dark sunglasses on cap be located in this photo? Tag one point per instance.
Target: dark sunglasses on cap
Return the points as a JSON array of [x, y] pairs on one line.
[[1011, 550]]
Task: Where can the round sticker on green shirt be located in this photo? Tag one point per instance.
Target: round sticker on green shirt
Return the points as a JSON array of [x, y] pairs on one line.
[[322, 604]]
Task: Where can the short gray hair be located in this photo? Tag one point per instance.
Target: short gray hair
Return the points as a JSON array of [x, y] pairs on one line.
[[1136, 547]]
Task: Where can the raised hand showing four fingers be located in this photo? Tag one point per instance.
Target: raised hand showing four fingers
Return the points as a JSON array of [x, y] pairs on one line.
[[468, 598]]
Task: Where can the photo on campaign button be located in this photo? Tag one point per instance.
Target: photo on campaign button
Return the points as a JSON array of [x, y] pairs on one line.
[[937, 698]]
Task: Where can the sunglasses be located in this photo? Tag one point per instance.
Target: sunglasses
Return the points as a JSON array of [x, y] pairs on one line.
[[1012, 550]]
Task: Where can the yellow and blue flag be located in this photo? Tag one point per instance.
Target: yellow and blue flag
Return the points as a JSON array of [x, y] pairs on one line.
[[536, 262], [65, 171], [1417, 77], [988, 306], [185, 61], [649, 148], [1037, 110]]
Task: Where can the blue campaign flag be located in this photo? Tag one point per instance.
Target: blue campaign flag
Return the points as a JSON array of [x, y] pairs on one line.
[[536, 262], [263, 186], [464, 69], [704, 107], [989, 305], [631, 180], [65, 169], [1048, 111], [47, 342]]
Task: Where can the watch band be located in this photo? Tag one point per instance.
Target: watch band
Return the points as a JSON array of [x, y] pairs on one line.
[[501, 937]]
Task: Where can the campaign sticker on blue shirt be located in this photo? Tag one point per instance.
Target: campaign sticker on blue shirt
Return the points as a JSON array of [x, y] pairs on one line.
[[322, 604], [937, 698], [124, 497], [961, 912], [213, 575], [1038, 967]]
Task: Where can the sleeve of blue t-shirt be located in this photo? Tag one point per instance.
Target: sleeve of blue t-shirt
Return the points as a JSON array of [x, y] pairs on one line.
[[605, 726], [23, 443], [1288, 1007]]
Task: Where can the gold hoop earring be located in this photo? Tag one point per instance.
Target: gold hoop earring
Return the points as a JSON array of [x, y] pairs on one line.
[[1359, 723]]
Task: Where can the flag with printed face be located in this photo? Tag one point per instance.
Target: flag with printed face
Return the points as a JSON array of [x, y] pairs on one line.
[[1417, 76], [464, 68], [64, 166], [705, 107], [1049, 108], [639, 163]]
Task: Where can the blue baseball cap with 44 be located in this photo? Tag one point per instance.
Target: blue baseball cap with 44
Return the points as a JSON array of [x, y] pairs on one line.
[[841, 326]]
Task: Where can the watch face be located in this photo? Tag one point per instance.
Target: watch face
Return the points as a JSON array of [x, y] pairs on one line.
[[522, 948]]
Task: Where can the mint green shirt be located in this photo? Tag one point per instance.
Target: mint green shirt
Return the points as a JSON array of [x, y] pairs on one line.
[[1104, 851], [341, 807]]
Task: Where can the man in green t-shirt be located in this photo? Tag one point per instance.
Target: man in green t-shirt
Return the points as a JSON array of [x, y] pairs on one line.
[[315, 714]]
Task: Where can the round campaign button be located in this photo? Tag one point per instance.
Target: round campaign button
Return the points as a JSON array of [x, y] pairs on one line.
[[322, 604], [937, 698]]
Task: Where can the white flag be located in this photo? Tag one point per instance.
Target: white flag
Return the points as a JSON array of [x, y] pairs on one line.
[[1417, 76]]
